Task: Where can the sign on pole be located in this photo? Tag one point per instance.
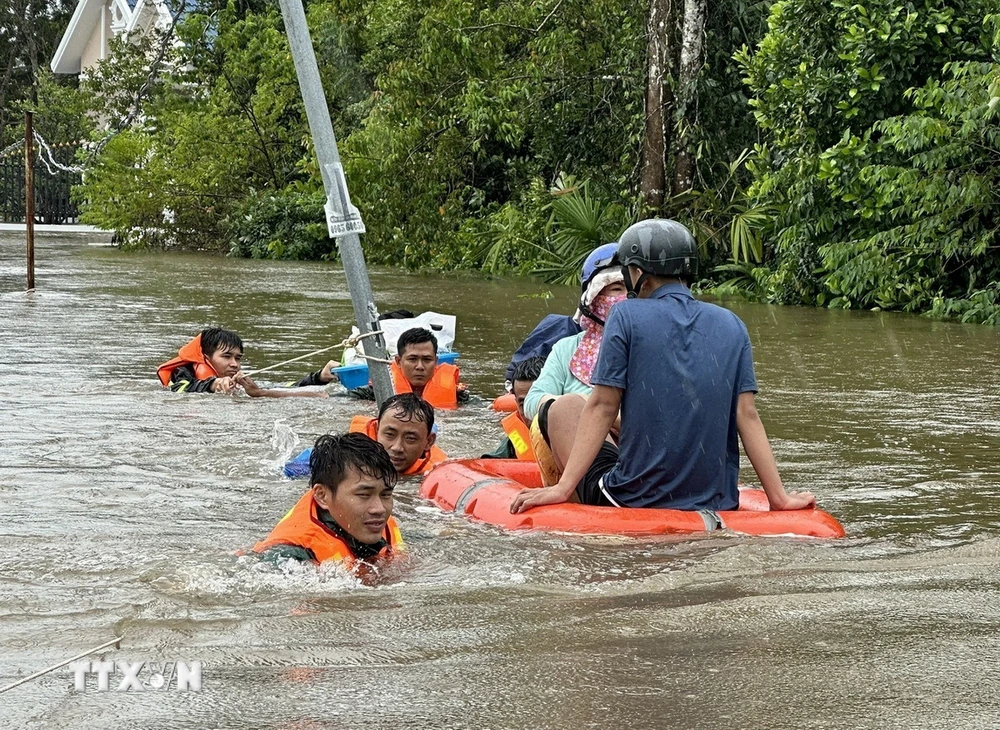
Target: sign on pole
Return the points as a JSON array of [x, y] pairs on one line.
[[342, 218]]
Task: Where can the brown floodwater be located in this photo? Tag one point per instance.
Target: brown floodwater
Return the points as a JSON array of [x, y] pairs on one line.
[[121, 507]]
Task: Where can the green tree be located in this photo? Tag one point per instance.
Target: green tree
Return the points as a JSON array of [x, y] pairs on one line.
[[879, 150], [221, 125], [29, 33], [477, 109], [455, 118]]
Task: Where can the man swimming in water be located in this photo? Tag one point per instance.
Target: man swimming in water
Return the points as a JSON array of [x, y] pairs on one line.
[[416, 369], [517, 441], [212, 363], [346, 515], [404, 427]]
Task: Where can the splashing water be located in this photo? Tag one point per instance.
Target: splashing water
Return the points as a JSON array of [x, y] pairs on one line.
[[284, 443]]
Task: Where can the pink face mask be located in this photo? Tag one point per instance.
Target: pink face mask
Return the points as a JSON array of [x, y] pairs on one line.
[[581, 365]]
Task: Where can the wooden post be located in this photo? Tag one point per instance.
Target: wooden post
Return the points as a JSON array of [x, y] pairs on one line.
[[29, 196]]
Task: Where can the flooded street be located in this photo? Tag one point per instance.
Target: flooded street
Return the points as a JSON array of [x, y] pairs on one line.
[[122, 507]]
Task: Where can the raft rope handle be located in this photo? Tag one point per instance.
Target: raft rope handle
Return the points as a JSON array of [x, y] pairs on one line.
[[351, 341], [114, 642]]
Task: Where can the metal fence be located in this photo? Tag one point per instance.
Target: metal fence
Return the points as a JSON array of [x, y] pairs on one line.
[[52, 199]]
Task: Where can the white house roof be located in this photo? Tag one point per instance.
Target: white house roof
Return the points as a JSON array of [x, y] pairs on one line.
[[122, 15], [158, 10]]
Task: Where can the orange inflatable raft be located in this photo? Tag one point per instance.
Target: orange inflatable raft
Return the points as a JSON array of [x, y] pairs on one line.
[[505, 403], [484, 488]]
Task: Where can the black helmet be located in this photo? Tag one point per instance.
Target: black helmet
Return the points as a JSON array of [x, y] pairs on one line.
[[659, 247]]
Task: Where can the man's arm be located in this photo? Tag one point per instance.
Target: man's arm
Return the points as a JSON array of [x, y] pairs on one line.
[[255, 391], [276, 555], [598, 416], [758, 450], [182, 380], [323, 376]]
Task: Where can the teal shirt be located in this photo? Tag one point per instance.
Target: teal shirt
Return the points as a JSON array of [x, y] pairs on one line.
[[556, 379]]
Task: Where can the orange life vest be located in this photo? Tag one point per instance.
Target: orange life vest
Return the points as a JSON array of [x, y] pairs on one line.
[[369, 427], [302, 527], [520, 436], [190, 354], [441, 390], [506, 403]]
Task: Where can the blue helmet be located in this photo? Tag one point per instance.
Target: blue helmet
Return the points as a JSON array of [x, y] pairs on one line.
[[600, 258]]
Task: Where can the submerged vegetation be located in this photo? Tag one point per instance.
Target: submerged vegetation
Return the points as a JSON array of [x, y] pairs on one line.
[[826, 153]]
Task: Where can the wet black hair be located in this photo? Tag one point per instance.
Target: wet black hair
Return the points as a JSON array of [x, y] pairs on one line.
[[412, 408], [397, 314], [528, 369], [333, 455], [216, 338], [415, 336]]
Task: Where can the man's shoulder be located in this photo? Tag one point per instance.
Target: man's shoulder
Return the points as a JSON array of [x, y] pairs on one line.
[[723, 316], [184, 369], [632, 312]]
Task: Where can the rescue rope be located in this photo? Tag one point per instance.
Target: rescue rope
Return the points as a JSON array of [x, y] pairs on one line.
[[114, 642], [374, 359], [351, 341]]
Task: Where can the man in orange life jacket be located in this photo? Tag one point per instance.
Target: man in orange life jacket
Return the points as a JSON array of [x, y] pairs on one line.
[[404, 427], [517, 443], [212, 361], [415, 369], [346, 515]]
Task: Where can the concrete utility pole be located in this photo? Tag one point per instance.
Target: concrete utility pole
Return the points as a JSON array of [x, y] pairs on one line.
[[343, 219]]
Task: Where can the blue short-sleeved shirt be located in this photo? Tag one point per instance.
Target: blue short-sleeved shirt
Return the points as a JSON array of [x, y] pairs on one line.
[[682, 365]]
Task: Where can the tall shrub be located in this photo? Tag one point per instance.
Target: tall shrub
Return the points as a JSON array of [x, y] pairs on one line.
[[879, 150]]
